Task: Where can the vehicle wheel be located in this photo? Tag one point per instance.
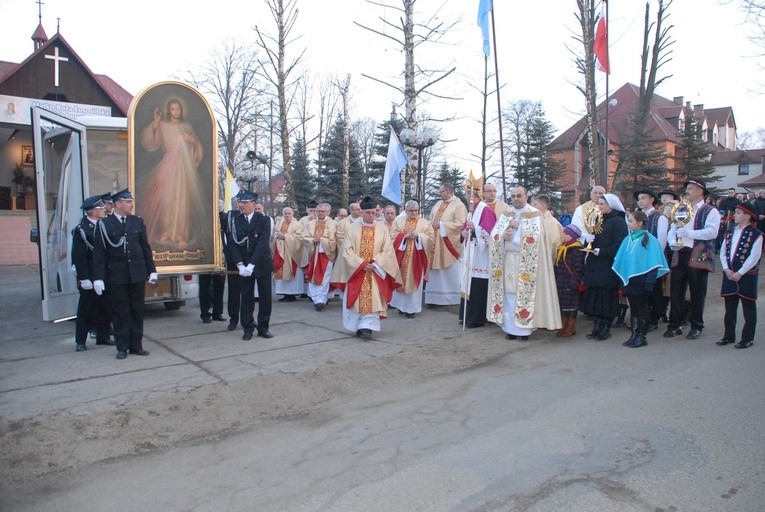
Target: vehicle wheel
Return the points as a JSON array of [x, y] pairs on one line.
[[172, 306]]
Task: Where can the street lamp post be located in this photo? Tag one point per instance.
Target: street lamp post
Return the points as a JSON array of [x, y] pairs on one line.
[[419, 141], [249, 175]]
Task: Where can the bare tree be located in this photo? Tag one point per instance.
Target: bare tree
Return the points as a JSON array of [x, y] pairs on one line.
[[277, 71], [752, 140], [755, 13], [640, 158], [328, 109], [585, 64], [344, 89], [230, 79], [419, 81], [363, 132]]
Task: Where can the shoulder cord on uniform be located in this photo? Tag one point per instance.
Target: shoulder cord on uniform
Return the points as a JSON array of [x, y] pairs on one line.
[[105, 237], [85, 238], [232, 229]]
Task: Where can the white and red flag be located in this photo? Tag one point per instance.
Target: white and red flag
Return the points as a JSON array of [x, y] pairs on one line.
[[601, 42]]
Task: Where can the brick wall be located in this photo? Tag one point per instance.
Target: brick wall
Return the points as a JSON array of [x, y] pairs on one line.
[[15, 247]]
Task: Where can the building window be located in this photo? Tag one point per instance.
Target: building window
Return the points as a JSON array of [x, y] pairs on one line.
[[743, 169]]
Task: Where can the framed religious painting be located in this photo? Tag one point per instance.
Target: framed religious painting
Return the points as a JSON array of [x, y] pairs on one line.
[[173, 174], [27, 155]]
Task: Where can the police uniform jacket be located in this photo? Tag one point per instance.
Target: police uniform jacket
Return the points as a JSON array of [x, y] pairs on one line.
[[131, 260], [83, 241], [249, 243], [226, 224]]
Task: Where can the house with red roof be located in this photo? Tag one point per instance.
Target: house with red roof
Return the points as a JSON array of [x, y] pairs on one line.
[[666, 123]]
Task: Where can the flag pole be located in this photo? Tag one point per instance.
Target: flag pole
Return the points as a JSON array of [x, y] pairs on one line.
[[608, 73], [499, 106]]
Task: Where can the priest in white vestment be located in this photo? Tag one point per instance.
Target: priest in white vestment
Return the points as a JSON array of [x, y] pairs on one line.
[[320, 243], [287, 250], [445, 269], [522, 292], [367, 271], [412, 240]]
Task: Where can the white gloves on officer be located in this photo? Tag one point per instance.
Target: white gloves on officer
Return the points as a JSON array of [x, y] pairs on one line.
[[245, 271], [588, 237], [153, 278], [86, 284], [682, 232], [99, 286]]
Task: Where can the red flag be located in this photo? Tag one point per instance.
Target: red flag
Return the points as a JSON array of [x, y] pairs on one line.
[[601, 43]]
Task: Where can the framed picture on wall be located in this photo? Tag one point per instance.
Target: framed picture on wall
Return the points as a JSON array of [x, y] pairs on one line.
[[27, 155]]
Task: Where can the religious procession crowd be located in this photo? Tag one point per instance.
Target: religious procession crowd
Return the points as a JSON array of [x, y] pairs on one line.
[[513, 265]]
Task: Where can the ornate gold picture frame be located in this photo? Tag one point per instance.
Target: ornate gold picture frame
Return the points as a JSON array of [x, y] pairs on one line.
[[173, 174]]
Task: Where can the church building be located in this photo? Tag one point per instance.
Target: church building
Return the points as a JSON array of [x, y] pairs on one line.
[[55, 78]]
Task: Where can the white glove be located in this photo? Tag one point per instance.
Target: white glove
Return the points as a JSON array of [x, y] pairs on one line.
[[250, 268], [242, 270], [589, 237], [682, 233], [153, 278], [99, 286], [86, 284]]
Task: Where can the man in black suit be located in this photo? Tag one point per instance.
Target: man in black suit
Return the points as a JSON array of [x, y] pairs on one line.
[[122, 263], [91, 309], [249, 250]]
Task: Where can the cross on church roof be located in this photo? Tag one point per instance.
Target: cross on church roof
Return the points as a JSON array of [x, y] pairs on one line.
[[56, 58]]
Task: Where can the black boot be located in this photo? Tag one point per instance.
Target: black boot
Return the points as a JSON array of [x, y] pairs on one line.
[[635, 333], [622, 315], [605, 333], [640, 340], [597, 327]]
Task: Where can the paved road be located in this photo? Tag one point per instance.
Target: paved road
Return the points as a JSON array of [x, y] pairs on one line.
[[572, 425]]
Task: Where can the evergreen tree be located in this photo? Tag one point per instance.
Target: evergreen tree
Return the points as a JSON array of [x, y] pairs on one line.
[[331, 181], [304, 185], [692, 155], [451, 175], [533, 164], [641, 161], [542, 169]]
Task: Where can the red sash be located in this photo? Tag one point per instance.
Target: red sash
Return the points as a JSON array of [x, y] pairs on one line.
[[386, 285], [317, 267], [278, 261], [419, 260]]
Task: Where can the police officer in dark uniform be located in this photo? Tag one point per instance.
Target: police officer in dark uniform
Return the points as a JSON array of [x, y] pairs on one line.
[[122, 263], [249, 250], [91, 309], [234, 291]]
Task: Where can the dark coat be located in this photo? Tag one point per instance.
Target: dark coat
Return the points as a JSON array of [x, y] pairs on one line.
[[83, 241], [253, 247], [597, 269], [129, 263], [568, 277]]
